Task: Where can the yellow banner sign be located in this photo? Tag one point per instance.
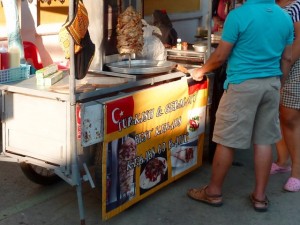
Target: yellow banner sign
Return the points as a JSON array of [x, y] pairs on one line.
[[151, 138]]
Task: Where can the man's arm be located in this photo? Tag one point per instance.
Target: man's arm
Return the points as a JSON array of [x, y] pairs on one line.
[[216, 59]]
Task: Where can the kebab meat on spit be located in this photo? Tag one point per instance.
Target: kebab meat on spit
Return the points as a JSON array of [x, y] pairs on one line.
[[129, 32]]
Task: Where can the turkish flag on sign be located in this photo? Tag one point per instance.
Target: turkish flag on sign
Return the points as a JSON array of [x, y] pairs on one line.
[[118, 110], [195, 86]]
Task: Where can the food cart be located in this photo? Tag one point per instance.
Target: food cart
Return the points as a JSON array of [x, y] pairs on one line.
[[141, 126]]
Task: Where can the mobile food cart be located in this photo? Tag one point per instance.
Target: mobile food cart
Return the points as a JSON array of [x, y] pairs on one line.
[[142, 127]]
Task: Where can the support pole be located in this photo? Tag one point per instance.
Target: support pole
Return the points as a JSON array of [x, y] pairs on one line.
[[209, 18], [73, 143]]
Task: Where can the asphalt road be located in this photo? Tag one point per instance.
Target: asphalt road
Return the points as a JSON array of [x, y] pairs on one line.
[[25, 203]]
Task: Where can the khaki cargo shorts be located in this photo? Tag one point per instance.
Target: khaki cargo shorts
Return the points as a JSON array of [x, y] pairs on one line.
[[248, 113]]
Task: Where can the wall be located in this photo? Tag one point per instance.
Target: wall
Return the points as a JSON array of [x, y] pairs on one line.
[[172, 6]]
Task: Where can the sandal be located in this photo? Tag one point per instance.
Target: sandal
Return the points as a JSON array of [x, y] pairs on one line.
[[279, 169], [199, 194], [258, 205], [292, 185]]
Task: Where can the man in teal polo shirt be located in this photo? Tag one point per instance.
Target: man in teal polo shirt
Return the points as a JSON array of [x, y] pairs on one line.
[[256, 42]]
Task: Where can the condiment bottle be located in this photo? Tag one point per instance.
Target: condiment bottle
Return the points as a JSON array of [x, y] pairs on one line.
[[4, 58], [14, 56], [178, 46], [184, 46]]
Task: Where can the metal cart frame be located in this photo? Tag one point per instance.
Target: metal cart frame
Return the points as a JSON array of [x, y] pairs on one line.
[[71, 171]]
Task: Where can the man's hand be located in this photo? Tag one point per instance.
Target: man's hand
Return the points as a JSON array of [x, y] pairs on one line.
[[197, 74]]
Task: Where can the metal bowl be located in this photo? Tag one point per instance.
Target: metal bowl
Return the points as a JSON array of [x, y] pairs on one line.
[[200, 47]]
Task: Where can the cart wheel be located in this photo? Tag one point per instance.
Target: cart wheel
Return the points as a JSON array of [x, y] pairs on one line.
[[39, 174]]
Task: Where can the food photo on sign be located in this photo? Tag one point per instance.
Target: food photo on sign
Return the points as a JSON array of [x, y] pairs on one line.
[[154, 172], [196, 122], [185, 156], [182, 158], [120, 179]]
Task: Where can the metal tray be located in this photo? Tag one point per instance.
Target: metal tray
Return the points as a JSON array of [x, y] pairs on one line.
[[188, 53], [141, 66]]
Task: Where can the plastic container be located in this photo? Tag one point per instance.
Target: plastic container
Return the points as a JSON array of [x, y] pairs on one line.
[[200, 47], [14, 57], [15, 74]]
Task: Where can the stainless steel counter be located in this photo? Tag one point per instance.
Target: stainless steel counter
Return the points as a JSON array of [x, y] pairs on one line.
[[108, 80]]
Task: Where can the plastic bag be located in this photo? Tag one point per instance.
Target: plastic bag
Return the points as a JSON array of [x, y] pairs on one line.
[[153, 48]]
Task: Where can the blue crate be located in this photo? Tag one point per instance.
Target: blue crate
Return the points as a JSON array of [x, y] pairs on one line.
[[15, 74]]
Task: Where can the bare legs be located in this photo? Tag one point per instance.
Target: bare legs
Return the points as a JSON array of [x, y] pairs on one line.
[[262, 166], [290, 119], [282, 154], [222, 162]]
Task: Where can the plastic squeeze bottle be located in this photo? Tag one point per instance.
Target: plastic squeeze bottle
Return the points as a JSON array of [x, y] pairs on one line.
[[14, 56], [4, 58], [178, 46]]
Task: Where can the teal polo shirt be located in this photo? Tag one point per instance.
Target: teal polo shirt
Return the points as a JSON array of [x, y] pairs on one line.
[[259, 31]]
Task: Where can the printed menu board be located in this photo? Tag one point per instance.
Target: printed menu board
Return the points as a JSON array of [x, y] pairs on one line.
[[151, 138]]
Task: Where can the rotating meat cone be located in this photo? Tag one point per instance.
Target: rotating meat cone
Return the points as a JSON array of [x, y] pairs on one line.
[[129, 32]]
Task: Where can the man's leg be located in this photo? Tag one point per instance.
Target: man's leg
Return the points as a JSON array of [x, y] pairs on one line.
[[212, 193], [221, 164], [262, 166]]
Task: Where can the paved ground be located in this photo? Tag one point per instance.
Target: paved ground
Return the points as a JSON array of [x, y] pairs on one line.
[[23, 202]]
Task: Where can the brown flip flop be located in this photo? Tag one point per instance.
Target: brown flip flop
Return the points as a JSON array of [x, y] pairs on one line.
[[258, 205], [199, 194]]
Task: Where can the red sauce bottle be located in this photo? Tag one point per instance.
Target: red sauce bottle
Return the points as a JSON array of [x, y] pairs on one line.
[[4, 58]]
